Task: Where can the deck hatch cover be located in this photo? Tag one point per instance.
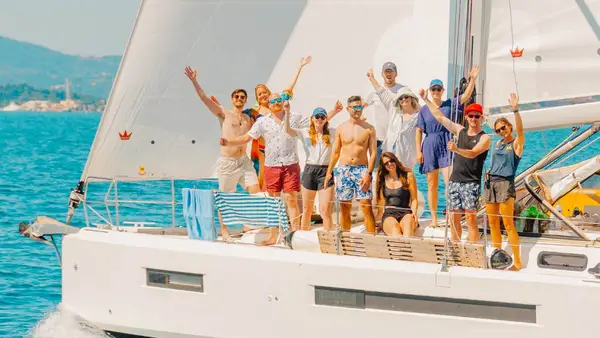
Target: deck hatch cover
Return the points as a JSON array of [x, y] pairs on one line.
[[175, 280], [513, 312]]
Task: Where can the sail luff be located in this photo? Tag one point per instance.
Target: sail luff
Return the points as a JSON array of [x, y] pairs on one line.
[[110, 100]]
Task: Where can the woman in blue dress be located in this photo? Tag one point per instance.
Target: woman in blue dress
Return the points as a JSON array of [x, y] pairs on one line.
[[432, 150]]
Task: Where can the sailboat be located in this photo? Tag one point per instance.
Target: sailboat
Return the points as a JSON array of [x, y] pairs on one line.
[[157, 282]]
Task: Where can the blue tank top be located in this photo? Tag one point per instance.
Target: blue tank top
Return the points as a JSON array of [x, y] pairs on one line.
[[504, 161]]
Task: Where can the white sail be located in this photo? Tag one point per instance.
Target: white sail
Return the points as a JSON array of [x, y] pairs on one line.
[[557, 74], [241, 44]]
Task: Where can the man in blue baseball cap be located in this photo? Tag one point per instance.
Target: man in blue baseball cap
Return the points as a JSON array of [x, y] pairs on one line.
[[382, 113]]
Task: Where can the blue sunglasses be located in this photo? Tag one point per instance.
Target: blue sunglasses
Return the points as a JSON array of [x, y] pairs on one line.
[[358, 108], [275, 100]]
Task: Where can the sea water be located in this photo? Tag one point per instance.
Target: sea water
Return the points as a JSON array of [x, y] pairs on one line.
[[42, 157]]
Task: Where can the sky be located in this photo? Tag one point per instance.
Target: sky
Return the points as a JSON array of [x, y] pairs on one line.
[[79, 27]]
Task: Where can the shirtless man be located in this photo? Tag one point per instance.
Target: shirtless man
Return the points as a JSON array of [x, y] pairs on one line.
[[233, 166], [353, 139]]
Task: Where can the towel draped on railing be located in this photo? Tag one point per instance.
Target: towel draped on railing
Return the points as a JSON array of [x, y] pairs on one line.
[[239, 209], [198, 212]]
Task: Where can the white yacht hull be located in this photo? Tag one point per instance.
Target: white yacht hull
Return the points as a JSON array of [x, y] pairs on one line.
[[251, 291]]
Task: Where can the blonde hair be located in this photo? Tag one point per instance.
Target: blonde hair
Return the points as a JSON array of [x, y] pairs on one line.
[[258, 87]]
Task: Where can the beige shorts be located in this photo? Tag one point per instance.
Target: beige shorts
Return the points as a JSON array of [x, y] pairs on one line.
[[232, 171]]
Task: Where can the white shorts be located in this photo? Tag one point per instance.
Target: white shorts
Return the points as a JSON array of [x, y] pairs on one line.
[[232, 171]]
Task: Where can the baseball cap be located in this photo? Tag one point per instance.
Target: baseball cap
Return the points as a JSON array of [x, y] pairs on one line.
[[474, 108], [319, 110], [436, 82], [389, 65]]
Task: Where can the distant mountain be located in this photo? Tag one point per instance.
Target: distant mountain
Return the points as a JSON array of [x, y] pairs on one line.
[[40, 67]]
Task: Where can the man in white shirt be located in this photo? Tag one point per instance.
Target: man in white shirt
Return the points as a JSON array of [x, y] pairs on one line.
[[382, 112], [282, 170]]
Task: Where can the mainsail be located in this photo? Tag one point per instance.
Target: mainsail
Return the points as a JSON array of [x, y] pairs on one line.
[[170, 134], [557, 73]]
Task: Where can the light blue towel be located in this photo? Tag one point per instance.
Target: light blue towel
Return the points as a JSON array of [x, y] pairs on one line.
[[198, 212], [238, 209]]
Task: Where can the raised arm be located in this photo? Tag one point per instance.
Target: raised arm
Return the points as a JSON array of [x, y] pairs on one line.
[[386, 97], [480, 147], [520, 141], [454, 128], [286, 120], [303, 62], [335, 110], [471, 86], [214, 108]]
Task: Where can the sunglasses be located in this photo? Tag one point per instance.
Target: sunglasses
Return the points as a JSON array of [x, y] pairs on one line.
[[275, 100], [404, 97], [500, 129], [386, 163], [436, 89], [358, 108], [241, 97], [474, 116], [320, 117]]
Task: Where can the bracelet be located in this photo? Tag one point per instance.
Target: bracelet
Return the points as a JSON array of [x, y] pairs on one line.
[[516, 111]]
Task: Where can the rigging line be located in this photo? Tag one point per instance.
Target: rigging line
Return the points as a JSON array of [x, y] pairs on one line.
[[554, 165], [512, 37]]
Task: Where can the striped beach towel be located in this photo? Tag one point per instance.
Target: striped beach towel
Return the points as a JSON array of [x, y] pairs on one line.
[[242, 209]]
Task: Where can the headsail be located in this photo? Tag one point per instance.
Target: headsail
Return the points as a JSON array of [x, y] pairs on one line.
[[557, 182], [169, 133], [557, 71]]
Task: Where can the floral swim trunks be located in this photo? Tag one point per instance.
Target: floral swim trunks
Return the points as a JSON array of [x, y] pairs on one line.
[[347, 185]]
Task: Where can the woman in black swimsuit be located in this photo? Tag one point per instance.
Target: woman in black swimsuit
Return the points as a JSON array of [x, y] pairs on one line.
[[396, 192]]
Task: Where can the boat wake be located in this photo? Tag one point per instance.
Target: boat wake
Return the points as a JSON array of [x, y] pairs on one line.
[[62, 323]]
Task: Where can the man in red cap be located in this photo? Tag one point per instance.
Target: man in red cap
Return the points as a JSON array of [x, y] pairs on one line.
[[471, 149]]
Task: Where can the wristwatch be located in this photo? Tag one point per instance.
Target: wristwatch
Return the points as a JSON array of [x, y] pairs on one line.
[[516, 110], [370, 173]]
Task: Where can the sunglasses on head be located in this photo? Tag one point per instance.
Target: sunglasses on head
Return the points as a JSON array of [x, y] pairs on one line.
[[241, 97], [474, 116], [272, 101], [357, 107], [500, 129], [436, 89], [320, 117]]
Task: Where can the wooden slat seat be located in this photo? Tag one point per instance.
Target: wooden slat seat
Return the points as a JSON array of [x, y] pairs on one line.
[[400, 248]]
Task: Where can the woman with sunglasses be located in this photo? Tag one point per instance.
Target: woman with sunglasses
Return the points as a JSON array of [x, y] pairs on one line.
[[396, 197], [432, 150], [499, 189], [317, 140], [262, 94]]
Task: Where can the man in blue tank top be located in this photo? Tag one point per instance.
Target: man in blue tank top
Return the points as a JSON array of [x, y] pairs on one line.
[[471, 149]]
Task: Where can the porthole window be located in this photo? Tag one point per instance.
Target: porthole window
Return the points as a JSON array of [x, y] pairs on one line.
[[562, 261], [175, 280]]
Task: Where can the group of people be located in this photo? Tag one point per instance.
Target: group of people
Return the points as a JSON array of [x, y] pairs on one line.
[[404, 135]]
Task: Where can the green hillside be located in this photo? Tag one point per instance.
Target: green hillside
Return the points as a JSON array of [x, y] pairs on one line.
[[43, 68]]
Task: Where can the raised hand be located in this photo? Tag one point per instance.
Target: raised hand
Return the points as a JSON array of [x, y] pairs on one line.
[[423, 94], [513, 100], [370, 73], [338, 107], [474, 72], [305, 61], [190, 73]]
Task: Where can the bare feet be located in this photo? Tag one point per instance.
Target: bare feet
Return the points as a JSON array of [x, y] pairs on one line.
[[227, 237], [268, 241]]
